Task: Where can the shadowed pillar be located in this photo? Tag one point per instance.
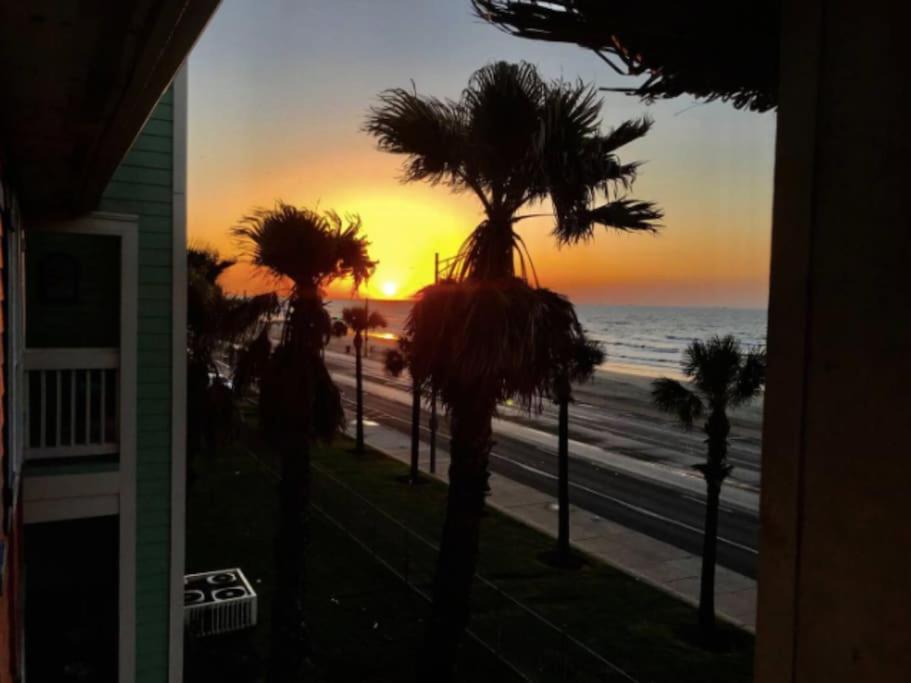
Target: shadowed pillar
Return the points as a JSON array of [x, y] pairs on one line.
[[835, 562]]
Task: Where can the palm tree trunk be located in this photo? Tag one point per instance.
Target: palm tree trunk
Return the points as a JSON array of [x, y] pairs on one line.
[[470, 450], [433, 430], [563, 480], [415, 430], [359, 395], [715, 470], [290, 646], [709, 553]]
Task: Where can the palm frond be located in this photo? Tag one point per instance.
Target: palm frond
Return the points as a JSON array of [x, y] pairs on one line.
[[626, 132], [394, 362], [243, 316], [751, 378], [514, 139], [350, 247], [500, 338], [358, 319], [504, 131], [250, 361], [713, 366], [428, 131], [206, 263], [588, 354], [339, 328], [309, 248], [376, 320], [671, 396]]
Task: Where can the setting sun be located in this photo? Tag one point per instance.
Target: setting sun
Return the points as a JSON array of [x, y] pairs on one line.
[[389, 289]]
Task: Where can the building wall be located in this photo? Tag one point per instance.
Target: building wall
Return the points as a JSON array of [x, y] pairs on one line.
[[10, 505], [835, 554], [143, 185], [5, 607]]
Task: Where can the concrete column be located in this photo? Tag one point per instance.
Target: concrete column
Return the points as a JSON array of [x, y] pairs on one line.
[[835, 562]]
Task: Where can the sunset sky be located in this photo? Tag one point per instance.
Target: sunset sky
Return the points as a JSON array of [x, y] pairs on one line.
[[278, 95]]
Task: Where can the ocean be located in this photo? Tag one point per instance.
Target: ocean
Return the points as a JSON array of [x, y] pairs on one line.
[[641, 340]]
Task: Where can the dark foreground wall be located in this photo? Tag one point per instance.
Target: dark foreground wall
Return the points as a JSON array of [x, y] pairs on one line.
[[835, 561]]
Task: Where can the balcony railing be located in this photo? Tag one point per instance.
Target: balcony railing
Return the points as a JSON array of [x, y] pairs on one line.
[[72, 402]]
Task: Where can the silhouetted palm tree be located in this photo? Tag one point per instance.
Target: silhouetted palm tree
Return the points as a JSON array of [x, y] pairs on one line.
[[722, 376], [579, 366], [339, 328], [485, 335], [298, 400], [395, 362], [358, 320], [216, 323]]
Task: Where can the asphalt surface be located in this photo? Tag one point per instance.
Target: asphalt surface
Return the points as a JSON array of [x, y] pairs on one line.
[[646, 504]]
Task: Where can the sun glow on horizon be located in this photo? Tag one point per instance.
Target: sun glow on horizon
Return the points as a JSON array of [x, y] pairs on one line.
[[389, 289]]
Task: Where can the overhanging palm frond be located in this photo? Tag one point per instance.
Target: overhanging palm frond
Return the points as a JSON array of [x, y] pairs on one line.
[[671, 396]]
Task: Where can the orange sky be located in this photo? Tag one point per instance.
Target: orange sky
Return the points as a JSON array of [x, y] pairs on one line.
[[276, 110]]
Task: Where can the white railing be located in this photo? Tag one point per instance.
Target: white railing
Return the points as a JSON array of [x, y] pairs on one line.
[[72, 402]]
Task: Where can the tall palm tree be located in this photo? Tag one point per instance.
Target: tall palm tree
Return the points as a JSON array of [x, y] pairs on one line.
[[486, 334], [298, 400], [216, 324], [395, 361], [722, 376], [579, 363], [359, 321]]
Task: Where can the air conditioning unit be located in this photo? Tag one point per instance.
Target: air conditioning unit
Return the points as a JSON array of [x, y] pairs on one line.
[[218, 602]]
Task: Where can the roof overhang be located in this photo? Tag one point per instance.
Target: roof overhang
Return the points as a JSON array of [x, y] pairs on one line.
[[78, 79]]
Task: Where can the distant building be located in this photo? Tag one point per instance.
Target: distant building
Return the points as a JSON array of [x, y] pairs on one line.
[[93, 116]]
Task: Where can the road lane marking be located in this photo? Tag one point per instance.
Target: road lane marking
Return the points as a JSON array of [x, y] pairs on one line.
[[594, 492]]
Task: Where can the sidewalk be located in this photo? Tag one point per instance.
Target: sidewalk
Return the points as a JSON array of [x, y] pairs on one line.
[[659, 564]]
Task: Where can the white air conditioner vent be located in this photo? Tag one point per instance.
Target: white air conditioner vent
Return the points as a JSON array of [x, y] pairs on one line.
[[218, 602]]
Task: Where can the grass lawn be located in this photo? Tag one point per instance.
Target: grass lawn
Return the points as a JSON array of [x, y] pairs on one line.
[[646, 632], [365, 624]]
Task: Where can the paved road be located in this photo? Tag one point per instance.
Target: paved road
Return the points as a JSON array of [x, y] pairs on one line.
[[648, 498]]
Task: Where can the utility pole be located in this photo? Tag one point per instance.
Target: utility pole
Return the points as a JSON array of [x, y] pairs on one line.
[[433, 390]]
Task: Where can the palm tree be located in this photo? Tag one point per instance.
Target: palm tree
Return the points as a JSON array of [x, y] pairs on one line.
[[722, 377], [579, 366], [395, 362], [360, 322], [339, 329], [486, 334], [216, 323], [298, 400]]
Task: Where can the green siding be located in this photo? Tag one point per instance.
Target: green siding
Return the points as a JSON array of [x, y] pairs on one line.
[[142, 185], [88, 314]]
